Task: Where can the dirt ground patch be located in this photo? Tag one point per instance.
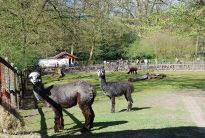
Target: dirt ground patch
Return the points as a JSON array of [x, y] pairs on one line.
[[192, 100], [20, 136]]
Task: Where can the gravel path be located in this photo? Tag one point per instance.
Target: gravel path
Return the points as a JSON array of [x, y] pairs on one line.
[[195, 112]]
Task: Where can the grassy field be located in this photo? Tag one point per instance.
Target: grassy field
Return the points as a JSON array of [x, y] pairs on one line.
[[158, 111]]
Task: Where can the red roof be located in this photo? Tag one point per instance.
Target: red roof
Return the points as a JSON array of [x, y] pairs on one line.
[[64, 54]]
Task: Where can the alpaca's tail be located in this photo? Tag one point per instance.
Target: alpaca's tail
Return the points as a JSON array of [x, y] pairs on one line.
[[132, 90], [92, 94]]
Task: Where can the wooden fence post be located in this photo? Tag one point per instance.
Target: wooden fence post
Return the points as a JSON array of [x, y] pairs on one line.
[[1, 81], [12, 88], [17, 88]]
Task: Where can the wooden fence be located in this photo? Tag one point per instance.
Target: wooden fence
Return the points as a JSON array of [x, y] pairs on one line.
[[11, 85]]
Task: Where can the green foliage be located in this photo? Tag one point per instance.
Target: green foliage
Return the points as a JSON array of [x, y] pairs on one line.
[[92, 30], [162, 45], [114, 48], [187, 20], [139, 50], [112, 52], [24, 38]]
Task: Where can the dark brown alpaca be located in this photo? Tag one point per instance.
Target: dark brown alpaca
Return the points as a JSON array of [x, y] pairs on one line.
[[132, 70], [66, 96]]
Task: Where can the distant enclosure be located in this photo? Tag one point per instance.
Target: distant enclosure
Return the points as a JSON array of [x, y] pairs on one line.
[[125, 65], [11, 85], [156, 67]]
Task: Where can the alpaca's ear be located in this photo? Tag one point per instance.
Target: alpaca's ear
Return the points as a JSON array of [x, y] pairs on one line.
[[98, 72], [30, 77], [103, 70]]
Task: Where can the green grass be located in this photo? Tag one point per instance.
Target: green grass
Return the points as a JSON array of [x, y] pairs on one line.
[[158, 111]]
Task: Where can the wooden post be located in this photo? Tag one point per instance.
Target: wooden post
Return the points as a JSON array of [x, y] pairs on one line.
[[1, 81], [12, 87], [7, 78], [17, 88]]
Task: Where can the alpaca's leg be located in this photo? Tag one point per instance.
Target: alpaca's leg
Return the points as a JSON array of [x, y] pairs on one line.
[[129, 100], [61, 120], [92, 117], [89, 117], [112, 104], [129, 106], [58, 122]]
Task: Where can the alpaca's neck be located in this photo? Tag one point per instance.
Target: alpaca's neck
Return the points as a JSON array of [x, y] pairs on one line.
[[39, 88], [44, 95], [103, 83]]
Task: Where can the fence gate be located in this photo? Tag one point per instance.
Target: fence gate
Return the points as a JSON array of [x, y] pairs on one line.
[[10, 85]]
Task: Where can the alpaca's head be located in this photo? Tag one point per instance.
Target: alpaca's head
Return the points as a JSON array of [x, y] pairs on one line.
[[35, 77], [101, 72]]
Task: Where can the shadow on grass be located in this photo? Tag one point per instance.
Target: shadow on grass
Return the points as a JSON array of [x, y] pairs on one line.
[[43, 130], [97, 126], [77, 122], [100, 125], [172, 132], [135, 109], [77, 127]]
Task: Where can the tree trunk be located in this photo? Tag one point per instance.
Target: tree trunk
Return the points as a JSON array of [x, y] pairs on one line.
[[74, 29], [24, 41], [72, 49], [146, 6], [139, 8], [91, 51], [197, 45], [152, 8]]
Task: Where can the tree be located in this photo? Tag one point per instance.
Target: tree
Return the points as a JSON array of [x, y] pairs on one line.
[[30, 29]]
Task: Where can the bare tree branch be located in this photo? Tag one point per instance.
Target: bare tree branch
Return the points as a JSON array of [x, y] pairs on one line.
[[42, 8]]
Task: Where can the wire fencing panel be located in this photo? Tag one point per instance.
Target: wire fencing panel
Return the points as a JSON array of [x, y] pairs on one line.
[[196, 66], [10, 85], [113, 66]]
